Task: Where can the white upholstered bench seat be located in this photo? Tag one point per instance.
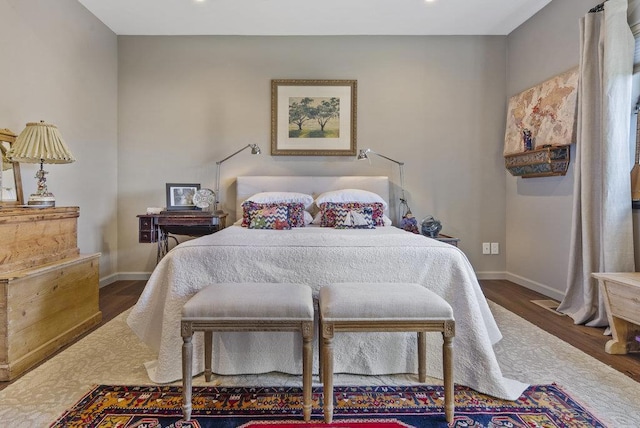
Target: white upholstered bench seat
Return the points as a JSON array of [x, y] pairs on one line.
[[251, 301], [247, 307], [382, 301]]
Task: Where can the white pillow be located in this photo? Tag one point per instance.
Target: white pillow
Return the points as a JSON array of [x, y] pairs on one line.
[[308, 218], [278, 197], [350, 195]]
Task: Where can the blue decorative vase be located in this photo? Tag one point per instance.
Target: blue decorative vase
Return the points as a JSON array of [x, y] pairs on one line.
[[431, 227]]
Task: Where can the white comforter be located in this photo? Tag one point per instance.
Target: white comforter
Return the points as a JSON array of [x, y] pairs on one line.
[[319, 256]]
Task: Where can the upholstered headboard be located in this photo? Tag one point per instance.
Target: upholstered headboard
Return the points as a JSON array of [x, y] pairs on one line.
[[250, 185]]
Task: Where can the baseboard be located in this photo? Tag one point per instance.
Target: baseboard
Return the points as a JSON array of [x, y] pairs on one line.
[[124, 276], [491, 275], [535, 286], [109, 279]]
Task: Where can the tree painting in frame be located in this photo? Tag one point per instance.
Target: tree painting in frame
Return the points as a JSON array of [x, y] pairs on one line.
[[180, 196], [313, 117]]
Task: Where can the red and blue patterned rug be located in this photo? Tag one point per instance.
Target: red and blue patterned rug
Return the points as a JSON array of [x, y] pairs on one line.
[[355, 407]]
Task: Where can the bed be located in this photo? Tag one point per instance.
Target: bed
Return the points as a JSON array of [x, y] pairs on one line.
[[318, 256]]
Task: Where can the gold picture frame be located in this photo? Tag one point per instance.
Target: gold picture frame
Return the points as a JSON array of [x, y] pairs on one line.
[[313, 117]]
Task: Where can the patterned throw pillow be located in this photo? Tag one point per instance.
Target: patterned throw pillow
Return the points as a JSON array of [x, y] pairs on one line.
[[332, 211], [295, 210], [361, 218], [271, 218]]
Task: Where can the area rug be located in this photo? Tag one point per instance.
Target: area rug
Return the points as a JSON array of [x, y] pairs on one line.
[[358, 407]]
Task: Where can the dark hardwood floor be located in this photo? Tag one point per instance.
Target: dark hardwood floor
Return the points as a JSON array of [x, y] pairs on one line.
[[590, 340], [121, 295]]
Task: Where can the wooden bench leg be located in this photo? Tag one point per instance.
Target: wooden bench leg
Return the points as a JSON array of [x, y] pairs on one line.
[[320, 352], [208, 343], [307, 367], [447, 361], [327, 374], [422, 357], [187, 361]]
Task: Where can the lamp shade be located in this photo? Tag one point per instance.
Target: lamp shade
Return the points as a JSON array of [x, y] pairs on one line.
[[40, 142]]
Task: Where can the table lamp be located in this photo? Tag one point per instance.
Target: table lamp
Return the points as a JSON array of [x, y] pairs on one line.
[[405, 212], [42, 143], [255, 150]]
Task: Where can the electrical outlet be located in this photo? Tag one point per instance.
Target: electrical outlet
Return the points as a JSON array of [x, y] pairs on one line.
[[486, 248], [495, 248]]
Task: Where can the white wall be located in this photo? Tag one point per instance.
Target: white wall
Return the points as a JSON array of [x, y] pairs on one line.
[[538, 210], [59, 64], [436, 103]]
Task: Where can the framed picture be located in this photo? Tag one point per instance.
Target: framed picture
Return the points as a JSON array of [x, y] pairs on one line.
[[180, 196], [313, 117]]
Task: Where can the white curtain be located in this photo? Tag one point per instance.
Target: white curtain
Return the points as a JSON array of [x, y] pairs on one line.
[[633, 16], [602, 231]]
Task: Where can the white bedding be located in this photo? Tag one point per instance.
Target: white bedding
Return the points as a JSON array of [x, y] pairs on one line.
[[319, 256]]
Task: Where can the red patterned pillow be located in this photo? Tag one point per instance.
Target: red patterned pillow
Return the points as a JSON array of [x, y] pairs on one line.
[[296, 212], [271, 218], [332, 212]]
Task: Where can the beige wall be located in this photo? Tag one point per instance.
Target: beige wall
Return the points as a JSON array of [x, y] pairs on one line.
[[538, 210], [59, 64], [437, 103], [181, 103]]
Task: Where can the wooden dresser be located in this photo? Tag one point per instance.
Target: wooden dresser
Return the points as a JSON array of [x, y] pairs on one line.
[[48, 290]]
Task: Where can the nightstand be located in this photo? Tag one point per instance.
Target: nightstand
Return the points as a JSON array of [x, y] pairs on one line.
[[158, 228], [448, 239]]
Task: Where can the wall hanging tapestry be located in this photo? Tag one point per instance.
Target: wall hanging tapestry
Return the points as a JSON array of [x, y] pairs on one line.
[[541, 124]]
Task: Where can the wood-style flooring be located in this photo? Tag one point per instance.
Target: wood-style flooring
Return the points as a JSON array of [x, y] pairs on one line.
[[121, 295]]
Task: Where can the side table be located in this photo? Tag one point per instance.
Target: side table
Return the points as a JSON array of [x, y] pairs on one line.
[[448, 239], [158, 228]]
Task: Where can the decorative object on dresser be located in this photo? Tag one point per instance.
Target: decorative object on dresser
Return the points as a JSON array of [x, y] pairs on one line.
[[10, 180], [541, 126], [48, 290], [430, 226], [159, 227], [180, 196], [313, 117], [204, 199], [42, 143], [255, 150]]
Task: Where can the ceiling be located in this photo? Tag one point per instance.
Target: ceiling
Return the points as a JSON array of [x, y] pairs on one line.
[[317, 17]]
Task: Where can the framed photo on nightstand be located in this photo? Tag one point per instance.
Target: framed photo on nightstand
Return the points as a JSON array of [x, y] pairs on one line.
[[180, 196]]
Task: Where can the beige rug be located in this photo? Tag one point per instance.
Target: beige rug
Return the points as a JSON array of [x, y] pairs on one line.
[[113, 355]]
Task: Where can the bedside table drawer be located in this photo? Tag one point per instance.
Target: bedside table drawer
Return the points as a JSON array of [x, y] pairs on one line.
[[147, 236], [146, 224]]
